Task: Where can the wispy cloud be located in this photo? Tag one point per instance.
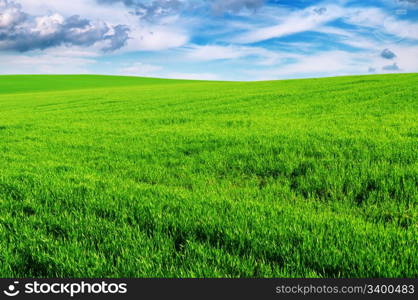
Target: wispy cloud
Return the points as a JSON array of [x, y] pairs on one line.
[[233, 52], [140, 69], [45, 63], [296, 22]]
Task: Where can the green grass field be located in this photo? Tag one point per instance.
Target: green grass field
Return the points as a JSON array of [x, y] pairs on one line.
[[131, 177]]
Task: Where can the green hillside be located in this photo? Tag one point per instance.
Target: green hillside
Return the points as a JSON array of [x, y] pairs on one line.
[[131, 177], [29, 83]]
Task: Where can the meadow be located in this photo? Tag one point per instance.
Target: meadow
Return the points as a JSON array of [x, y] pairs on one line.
[[106, 176]]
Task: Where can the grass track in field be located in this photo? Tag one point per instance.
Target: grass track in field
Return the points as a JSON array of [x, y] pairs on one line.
[[135, 177]]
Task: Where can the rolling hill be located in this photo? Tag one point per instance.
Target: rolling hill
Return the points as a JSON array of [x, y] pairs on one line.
[[106, 176]]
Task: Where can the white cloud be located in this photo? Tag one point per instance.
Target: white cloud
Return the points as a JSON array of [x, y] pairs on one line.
[[386, 27], [47, 25], [87, 8], [73, 51], [231, 52], [155, 38], [140, 69], [167, 33], [191, 76], [327, 63], [383, 24], [44, 64], [336, 63], [148, 70], [407, 57], [298, 21]]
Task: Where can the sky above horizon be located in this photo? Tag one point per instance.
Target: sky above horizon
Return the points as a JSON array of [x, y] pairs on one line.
[[209, 39]]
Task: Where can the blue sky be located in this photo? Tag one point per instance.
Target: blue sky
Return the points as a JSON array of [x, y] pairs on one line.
[[209, 39]]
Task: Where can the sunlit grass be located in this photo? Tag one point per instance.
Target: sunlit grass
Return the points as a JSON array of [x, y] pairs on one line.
[[132, 177]]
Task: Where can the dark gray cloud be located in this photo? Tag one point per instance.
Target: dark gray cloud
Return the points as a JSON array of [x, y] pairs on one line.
[[152, 9], [22, 32], [222, 6], [118, 39], [387, 54], [159, 8], [320, 11], [392, 67]]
